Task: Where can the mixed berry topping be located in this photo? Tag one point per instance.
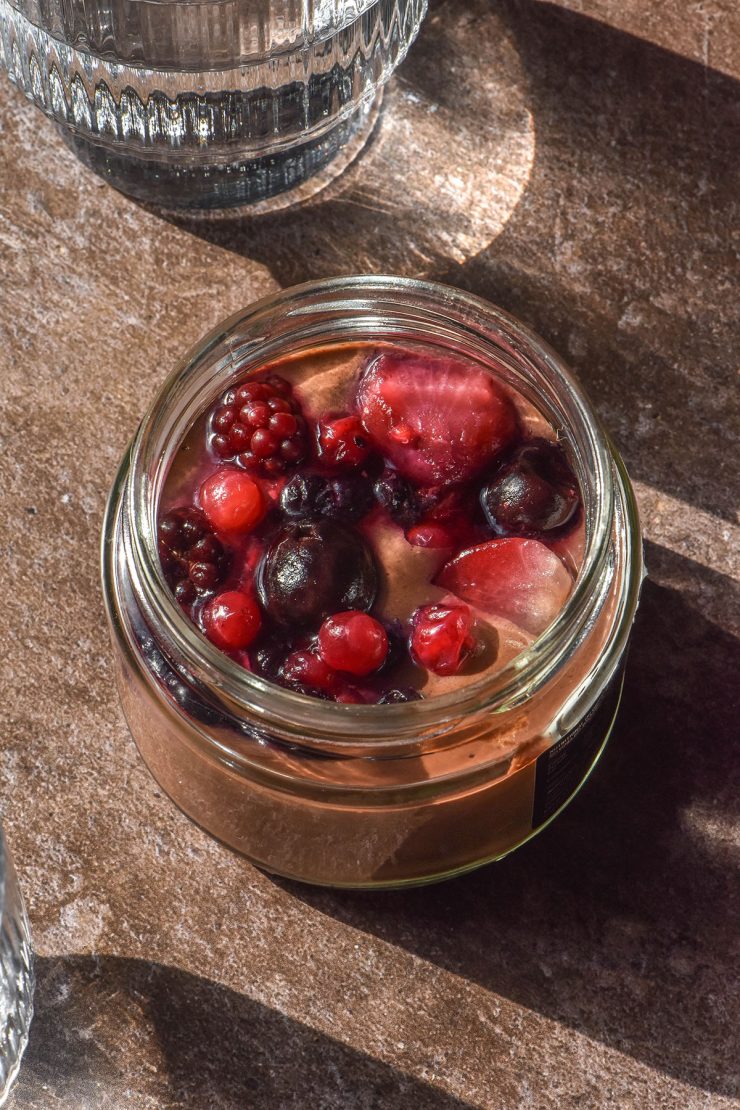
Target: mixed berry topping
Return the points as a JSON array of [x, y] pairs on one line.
[[304, 527]]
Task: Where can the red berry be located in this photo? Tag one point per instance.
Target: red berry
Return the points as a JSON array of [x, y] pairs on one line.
[[307, 669], [232, 501], [437, 420], [430, 535], [343, 442], [261, 426], [231, 620], [441, 638], [518, 579], [353, 642]]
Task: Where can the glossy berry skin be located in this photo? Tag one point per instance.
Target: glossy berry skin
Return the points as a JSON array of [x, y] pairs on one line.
[[353, 642], [309, 496], [232, 620], [441, 638], [193, 559], [312, 569], [232, 501], [401, 500], [307, 670], [343, 442], [536, 492], [261, 426]]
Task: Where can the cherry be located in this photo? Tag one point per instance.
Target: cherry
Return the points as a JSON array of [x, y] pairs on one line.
[[231, 620], [353, 642], [312, 569], [232, 501], [441, 638], [343, 442], [535, 492]]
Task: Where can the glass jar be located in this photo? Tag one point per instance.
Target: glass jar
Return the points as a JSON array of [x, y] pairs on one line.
[[368, 796], [206, 103], [16, 974]]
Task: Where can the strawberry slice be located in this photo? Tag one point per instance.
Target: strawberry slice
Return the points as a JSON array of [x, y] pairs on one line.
[[519, 579], [437, 420]]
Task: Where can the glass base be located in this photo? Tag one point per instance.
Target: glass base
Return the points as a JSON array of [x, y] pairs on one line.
[[244, 182], [16, 975]]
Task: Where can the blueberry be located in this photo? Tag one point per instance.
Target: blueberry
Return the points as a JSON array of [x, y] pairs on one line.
[[395, 697], [346, 499], [399, 498], [313, 569], [300, 496]]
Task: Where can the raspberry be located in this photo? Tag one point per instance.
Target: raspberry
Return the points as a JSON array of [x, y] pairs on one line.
[[193, 560], [343, 442], [261, 426], [441, 639], [232, 501], [231, 620], [353, 642]]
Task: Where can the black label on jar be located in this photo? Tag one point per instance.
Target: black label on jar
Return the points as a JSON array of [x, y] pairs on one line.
[[562, 767]]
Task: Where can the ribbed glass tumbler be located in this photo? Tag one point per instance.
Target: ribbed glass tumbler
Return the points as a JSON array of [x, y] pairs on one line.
[[206, 103], [16, 974]]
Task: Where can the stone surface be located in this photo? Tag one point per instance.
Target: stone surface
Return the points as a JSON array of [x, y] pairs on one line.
[[584, 180]]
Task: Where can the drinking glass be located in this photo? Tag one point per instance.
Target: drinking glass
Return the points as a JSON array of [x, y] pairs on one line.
[[206, 103], [16, 974]]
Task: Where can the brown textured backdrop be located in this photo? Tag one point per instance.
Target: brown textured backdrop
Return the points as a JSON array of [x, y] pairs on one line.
[[585, 179]]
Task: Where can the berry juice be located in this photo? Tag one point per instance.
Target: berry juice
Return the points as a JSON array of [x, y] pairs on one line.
[[370, 568], [371, 525]]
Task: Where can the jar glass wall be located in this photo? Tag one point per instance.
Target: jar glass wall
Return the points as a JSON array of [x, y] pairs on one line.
[[354, 795]]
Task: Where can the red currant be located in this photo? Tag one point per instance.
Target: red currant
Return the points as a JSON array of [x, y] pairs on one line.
[[441, 638], [353, 642], [231, 620], [232, 501]]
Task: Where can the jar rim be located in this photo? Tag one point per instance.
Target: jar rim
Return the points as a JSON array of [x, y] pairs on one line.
[[252, 330]]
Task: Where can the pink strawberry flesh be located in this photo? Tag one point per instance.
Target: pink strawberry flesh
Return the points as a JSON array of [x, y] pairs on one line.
[[518, 579], [437, 420]]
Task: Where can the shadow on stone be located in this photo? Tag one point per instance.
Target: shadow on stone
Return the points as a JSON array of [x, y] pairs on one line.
[[617, 921], [112, 1032]]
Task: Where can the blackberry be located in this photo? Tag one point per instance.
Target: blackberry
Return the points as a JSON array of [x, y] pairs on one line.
[[260, 424], [193, 559]]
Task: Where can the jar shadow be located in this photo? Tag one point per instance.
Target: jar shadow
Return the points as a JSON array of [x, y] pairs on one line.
[[111, 1032], [616, 921]]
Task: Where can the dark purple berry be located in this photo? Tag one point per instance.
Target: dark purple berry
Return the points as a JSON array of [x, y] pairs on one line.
[[313, 569], [346, 499], [534, 492], [300, 496], [395, 697], [193, 559], [402, 501]]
